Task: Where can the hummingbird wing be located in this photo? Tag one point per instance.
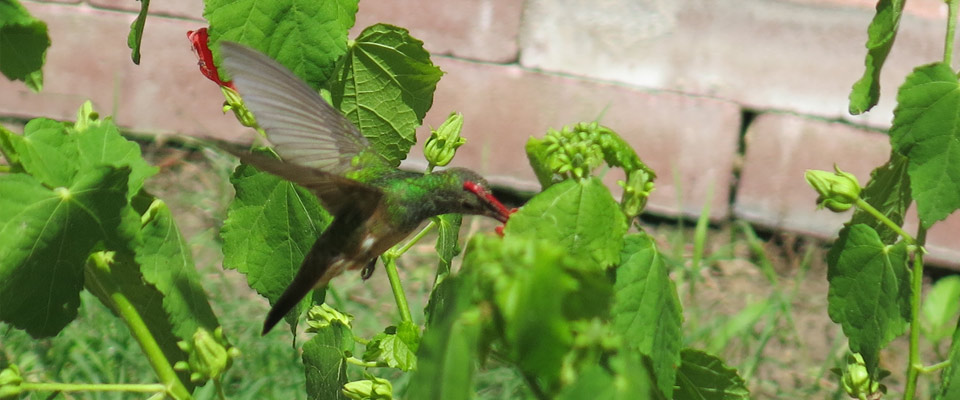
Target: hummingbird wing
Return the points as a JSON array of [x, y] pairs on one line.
[[337, 193], [303, 128]]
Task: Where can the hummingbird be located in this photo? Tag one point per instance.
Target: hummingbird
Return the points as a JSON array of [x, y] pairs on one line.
[[374, 204]]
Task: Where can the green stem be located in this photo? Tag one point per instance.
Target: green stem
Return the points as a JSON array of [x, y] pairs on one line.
[[390, 265], [361, 363], [94, 387], [914, 366], [138, 328], [863, 205], [935, 367], [951, 31]]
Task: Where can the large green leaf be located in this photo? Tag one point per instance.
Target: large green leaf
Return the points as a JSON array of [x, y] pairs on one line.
[[447, 357], [869, 292], [47, 236], [271, 226], [889, 193], [580, 216], [528, 283], [385, 85], [101, 144], [926, 129], [166, 263], [306, 36], [646, 310], [324, 361], [703, 376], [880, 37], [23, 45], [46, 151], [950, 377]]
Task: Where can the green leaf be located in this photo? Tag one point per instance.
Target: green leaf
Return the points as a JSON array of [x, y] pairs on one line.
[[527, 281], [950, 376], [880, 37], [447, 357], [136, 31], [869, 292], [926, 129], [324, 361], [385, 85], [646, 310], [108, 274], [448, 247], [306, 36], [580, 216], [271, 226], [166, 263], [889, 192], [703, 376], [46, 151], [539, 156], [23, 45], [47, 237], [396, 346], [102, 144], [940, 308]]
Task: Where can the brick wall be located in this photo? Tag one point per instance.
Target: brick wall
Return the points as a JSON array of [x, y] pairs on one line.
[[681, 80]]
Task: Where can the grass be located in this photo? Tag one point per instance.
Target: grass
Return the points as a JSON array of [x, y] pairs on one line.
[[757, 301]]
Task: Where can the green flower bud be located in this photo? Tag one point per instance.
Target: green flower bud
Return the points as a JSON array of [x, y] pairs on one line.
[[443, 142], [323, 315], [208, 356], [856, 380], [86, 117], [235, 103], [636, 190], [838, 190], [375, 388], [10, 382]]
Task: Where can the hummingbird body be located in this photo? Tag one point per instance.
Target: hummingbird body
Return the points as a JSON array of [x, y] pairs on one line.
[[374, 205]]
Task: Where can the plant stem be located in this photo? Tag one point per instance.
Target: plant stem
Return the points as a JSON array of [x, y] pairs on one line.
[[951, 31], [916, 285], [935, 367], [361, 363], [863, 205], [102, 279], [94, 387], [390, 265]]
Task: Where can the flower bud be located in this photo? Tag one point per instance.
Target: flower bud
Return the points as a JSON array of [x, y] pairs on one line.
[[234, 103], [208, 356], [443, 141], [10, 382], [838, 191], [375, 388], [856, 380]]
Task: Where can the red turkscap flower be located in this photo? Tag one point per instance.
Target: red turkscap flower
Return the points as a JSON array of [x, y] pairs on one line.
[[199, 40]]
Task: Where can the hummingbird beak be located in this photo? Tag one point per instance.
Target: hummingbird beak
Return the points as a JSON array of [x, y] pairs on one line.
[[496, 208]]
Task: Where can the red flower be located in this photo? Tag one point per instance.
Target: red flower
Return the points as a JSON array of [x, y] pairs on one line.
[[199, 40]]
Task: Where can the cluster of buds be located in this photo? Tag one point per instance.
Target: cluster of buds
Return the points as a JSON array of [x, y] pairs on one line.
[[10, 382], [369, 389], [574, 152], [856, 380], [208, 355], [636, 190], [444, 141]]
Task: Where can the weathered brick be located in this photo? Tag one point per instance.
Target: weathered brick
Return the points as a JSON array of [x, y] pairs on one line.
[[763, 54], [477, 30], [779, 148], [89, 59], [192, 9], [687, 140]]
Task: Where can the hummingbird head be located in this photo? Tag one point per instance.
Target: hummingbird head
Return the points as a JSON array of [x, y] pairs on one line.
[[474, 196]]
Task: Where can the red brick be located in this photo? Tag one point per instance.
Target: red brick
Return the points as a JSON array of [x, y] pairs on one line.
[[779, 149], [89, 59], [477, 30], [688, 140], [192, 9], [763, 54]]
